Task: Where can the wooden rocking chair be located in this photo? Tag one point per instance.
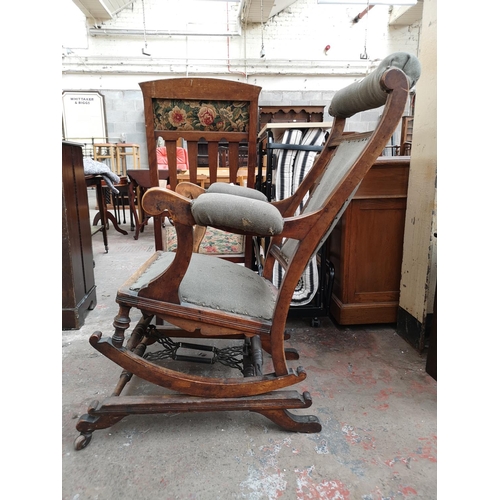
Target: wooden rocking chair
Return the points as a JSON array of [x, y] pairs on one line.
[[200, 296]]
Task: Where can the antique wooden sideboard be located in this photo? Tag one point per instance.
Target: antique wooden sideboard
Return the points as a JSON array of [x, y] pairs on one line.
[[366, 246]]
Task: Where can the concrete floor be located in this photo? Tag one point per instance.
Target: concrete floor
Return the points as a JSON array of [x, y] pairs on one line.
[[376, 403]]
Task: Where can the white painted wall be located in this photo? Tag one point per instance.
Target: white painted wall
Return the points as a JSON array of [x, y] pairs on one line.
[[294, 42]]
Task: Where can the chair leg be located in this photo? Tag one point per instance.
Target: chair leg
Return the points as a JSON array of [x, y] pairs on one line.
[[121, 323]]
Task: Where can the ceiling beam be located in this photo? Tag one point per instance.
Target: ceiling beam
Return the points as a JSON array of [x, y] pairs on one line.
[[406, 16], [101, 10], [252, 9]]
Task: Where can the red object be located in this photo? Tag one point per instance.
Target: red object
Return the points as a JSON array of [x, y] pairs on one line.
[[327, 48], [182, 158]]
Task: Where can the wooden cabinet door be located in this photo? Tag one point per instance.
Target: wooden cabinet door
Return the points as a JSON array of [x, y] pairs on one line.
[[376, 248]]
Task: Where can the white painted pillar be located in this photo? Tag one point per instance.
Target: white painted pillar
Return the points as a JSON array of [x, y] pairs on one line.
[[418, 273]]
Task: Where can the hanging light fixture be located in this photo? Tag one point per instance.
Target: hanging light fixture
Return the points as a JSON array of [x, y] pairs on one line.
[[262, 51], [364, 55], [145, 48]]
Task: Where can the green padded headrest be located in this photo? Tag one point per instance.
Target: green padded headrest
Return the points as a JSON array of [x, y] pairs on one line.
[[367, 93]]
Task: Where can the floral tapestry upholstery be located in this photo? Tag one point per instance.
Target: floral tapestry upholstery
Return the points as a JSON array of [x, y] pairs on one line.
[[215, 241], [213, 116]]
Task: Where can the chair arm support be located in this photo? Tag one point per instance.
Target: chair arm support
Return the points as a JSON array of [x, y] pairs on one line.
[[237, 214], [158, 200], [298, 227]]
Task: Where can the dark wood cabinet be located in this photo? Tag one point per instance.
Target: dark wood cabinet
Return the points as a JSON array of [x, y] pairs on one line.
[[366, 247], [78, 286], [290, 114]]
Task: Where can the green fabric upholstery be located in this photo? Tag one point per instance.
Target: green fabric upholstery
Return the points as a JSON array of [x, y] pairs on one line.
[[225, 188], [217, 284], [367, 94], [238, 213]]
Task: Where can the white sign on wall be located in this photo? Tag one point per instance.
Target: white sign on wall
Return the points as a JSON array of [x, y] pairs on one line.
[[83, 117]]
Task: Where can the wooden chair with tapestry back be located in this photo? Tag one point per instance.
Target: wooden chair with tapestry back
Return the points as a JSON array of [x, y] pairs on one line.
[[207, 298], [216, 121]]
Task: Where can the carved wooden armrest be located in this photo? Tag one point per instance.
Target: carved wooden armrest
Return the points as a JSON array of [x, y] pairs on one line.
[[189, 190], [158, 200]]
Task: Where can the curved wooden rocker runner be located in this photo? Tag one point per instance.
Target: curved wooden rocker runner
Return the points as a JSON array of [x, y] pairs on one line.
[[195, 296]]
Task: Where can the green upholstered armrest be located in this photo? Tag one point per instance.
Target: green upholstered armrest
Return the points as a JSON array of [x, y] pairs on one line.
[[237, 213], [225, 188]]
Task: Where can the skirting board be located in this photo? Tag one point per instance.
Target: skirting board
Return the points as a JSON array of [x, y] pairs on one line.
[[363, 314], [412, 330]]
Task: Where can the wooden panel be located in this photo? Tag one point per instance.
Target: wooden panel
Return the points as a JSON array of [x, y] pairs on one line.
[[362, 314], [387, 178], [289, 114], [376, 226]]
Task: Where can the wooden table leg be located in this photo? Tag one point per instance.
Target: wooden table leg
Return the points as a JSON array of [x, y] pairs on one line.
[[111, 217], [102, 213], [139, 222]]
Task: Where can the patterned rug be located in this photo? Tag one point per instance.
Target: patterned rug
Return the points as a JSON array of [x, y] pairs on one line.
[[215, 242]]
